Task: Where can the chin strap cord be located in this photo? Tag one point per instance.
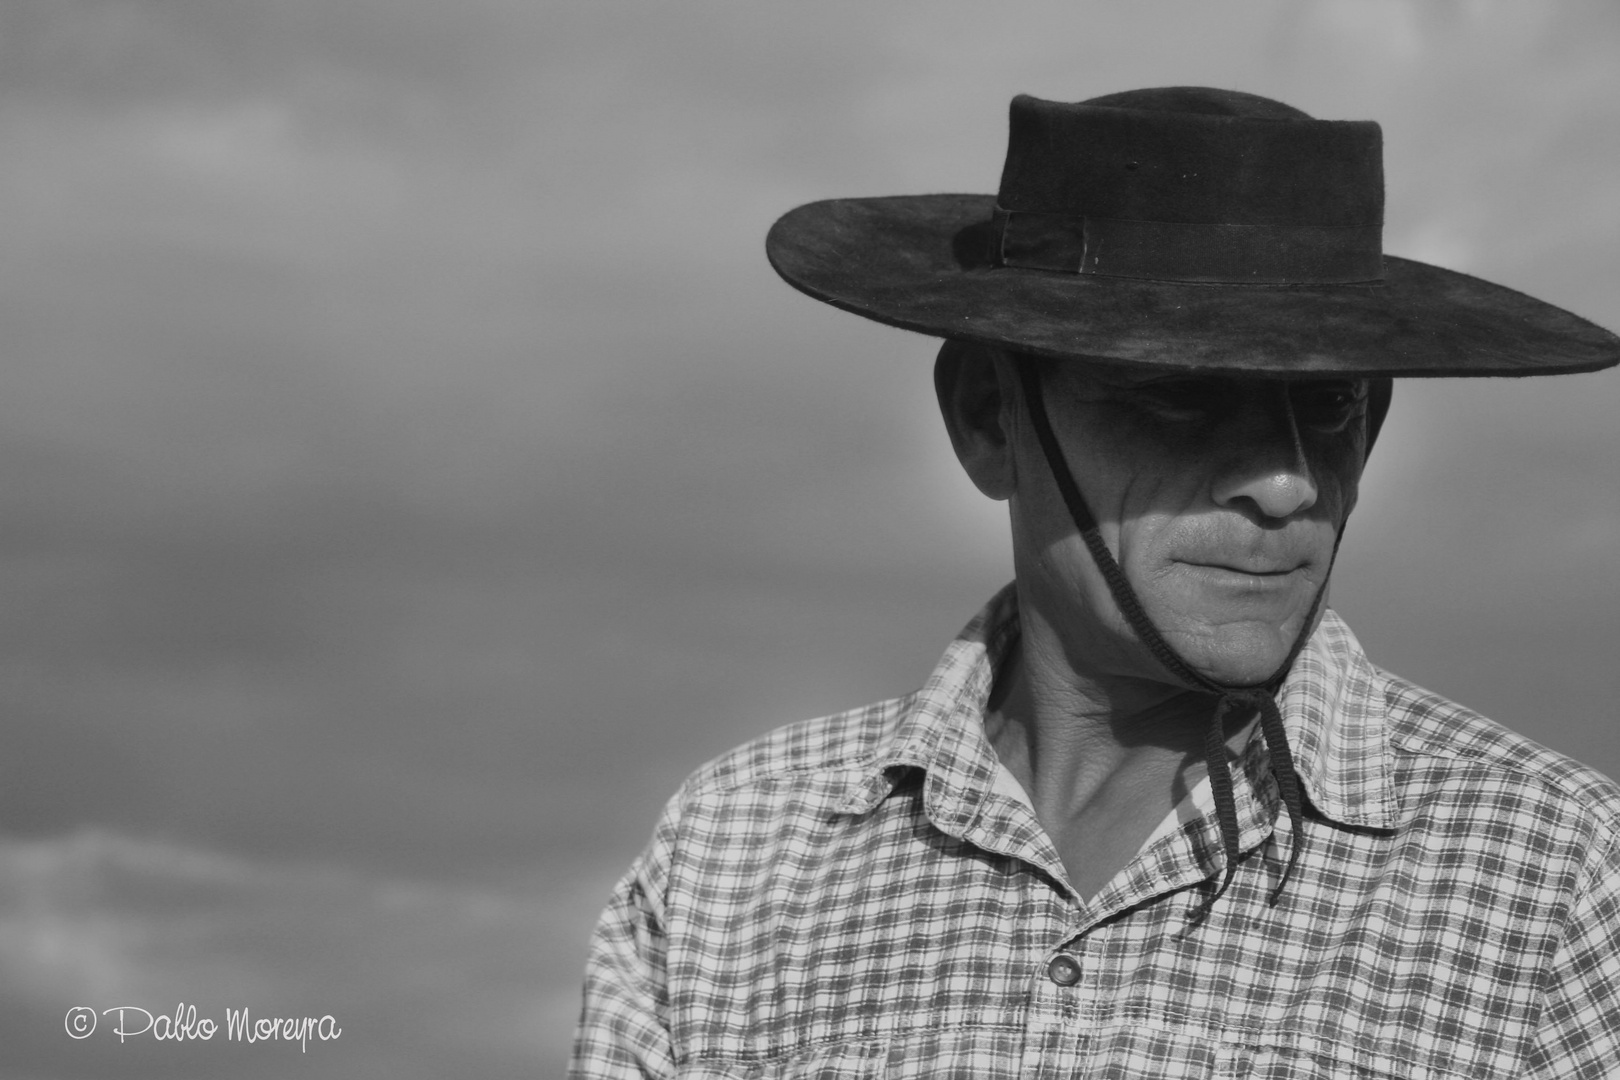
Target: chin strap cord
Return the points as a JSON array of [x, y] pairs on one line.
[[1262, 696]]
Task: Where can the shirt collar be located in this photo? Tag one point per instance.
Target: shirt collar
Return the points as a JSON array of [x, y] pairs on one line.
[[1333, 711], [1331, 704], [941, 731]]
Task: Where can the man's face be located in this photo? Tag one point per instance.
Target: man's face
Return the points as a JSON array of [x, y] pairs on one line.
[[1220, 497]]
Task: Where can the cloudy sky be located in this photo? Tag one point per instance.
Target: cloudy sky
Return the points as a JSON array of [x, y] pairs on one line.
[[414, 468]]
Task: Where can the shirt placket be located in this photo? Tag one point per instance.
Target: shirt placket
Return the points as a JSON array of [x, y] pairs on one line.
[[1064, 986], [1061, 981], [1059, 995]]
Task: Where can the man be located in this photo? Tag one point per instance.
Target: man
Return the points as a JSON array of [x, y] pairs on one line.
[[1155, 814]]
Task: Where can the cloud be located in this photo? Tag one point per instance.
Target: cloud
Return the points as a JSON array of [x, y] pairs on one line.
[[413, 972]]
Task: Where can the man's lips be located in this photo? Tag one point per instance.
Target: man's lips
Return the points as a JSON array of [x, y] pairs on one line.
[[1257, 571], [1245, 574]]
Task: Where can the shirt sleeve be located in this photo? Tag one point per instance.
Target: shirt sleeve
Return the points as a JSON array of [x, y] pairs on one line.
[[1579, 1032], [624, 1020]]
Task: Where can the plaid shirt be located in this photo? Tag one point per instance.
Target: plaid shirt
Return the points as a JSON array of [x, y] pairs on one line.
[[865, 896]]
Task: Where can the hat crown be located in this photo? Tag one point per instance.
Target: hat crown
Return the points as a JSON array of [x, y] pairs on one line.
[[1192, 155], [1206, 100]]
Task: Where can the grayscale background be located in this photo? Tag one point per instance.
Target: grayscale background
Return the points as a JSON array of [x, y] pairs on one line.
[[412, 468]]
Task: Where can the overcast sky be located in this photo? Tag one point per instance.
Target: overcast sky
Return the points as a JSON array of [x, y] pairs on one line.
[[414, 468]]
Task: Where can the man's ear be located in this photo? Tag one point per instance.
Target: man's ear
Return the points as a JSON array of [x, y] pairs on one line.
[[977, 398]]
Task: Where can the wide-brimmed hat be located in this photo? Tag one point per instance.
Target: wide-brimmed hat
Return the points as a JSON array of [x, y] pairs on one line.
[[1178, 227]]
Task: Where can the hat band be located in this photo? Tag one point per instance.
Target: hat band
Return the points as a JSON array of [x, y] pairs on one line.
[[1188, 251]]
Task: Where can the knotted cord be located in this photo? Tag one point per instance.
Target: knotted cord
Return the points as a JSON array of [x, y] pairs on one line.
[[1261, 696]]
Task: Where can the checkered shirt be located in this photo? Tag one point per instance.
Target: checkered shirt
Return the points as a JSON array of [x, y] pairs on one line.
[[857, 896]]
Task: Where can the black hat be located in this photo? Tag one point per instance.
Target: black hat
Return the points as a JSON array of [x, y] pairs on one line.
[[1181, 227]]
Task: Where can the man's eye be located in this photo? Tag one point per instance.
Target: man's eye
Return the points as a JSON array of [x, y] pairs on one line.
[[1327, 405]]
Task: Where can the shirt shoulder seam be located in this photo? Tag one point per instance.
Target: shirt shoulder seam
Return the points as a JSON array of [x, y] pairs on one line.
[[1577, 778], [750, 763]]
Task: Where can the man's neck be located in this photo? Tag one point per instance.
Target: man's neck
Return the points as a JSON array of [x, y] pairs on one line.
[[1103, 757]]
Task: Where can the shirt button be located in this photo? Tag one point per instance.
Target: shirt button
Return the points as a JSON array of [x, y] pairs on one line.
[[1063, 970]]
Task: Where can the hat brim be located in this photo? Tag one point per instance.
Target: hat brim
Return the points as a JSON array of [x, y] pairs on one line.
[[918, 262]]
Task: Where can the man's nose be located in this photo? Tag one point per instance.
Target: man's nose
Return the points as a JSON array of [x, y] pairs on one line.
[[1268, 471]]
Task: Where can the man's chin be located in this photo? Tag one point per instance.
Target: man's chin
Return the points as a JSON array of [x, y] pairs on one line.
[[1236, 655]]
